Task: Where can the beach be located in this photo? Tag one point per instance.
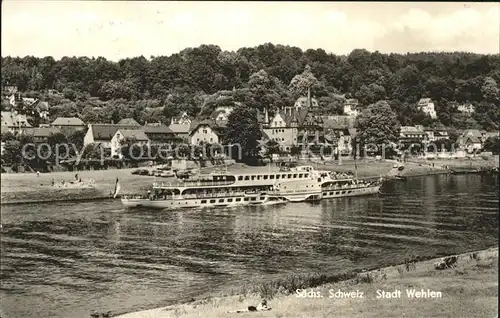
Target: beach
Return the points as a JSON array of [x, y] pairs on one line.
[[468, 290], [28, 187]]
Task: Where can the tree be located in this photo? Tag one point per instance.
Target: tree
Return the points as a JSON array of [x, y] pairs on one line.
[[377, 125], [302, 82], [492, 144], [490, 90], [243, 129]]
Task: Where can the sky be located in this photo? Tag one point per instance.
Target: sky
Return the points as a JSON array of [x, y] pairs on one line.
[[117, 30]]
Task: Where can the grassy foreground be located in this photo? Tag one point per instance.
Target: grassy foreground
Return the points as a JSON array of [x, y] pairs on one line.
[[468, 290]]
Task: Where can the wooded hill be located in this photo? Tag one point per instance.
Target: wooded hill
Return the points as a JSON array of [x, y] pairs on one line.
[[198, 79]]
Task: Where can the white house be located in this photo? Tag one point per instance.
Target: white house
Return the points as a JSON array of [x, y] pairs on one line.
[[427, 106], [222, 113], [350, 107], [103, 133], [466, 108], [203, 132], [138, 135]]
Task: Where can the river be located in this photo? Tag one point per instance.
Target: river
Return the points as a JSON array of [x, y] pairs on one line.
[[68, 259]]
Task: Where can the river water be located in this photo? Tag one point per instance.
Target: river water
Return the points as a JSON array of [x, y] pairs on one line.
[[68, 259]]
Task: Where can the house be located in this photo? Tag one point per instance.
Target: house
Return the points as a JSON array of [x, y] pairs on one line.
[[339, 134], [205, 131], [42, 108], [41, 134], [161, 134], [9, 89], [466, 108], [221, 113], [351, 107], [137, 135], [471, 143], [427, 106], [180, 126], [68, 125], [16, 98], [182, 119], [412, 134], [434, 134], [128, 122], [14, 122], [297, 125], [479, 134], [103, 133]]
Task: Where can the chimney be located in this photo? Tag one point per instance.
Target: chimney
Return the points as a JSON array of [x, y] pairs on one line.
[[266, 116]]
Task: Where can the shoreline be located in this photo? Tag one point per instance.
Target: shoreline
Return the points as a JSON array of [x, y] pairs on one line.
[[368, 281], [27, 188]]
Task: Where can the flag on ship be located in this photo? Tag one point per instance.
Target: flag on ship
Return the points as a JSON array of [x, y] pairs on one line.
[[117, 188]]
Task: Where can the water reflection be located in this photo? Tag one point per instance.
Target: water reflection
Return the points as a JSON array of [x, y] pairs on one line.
[[64, 260]]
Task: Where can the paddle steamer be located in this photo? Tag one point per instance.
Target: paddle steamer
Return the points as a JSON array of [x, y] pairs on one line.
[[297, 184]]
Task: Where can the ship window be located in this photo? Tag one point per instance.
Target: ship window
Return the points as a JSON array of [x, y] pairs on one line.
[[238, 199], [283, 176], [300, 175], [253, 177], [240, 178], [271, 176], [261, 198], [253, 199], [247, 178], [294, 175], [258, 177], [265, 177], [319, 179], [277, 176], [245, 199], [221, 200], [331, 193], [289, 176], [306, 175], [229, 200], [203, 201], [212, 201]]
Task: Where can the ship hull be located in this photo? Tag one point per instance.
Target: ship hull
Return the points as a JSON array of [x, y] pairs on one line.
[[198, 202], [338, 193]]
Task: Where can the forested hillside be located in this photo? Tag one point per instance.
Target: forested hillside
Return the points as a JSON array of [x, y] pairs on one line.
[[198, 79]]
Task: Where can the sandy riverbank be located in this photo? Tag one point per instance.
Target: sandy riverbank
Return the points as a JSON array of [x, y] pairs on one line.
[[27, 187], [468, 290]]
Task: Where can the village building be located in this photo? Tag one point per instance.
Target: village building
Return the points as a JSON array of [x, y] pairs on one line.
[[204, 132], [9, 89], [180, 126], [294, 126], [427, 106], [412, 134], [14, 122], [466, 108], [137, 135], [128, 122], [15, 99], [433, 134], [160, 134], [339, 132], [103, 133], [41, 134], [351, 107], [68, 125]]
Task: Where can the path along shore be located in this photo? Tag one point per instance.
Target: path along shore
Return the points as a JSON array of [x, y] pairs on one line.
[[18, 188], [468, 290]]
